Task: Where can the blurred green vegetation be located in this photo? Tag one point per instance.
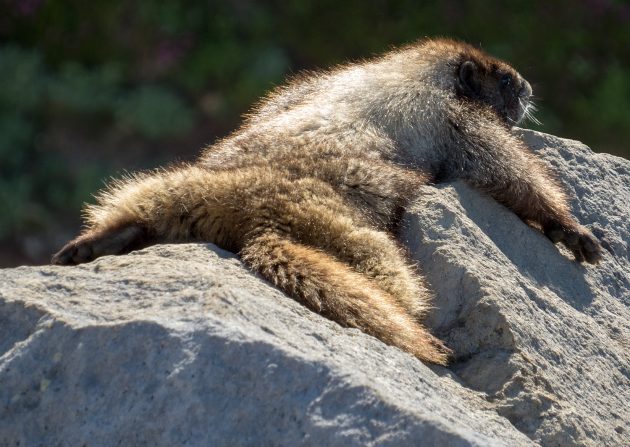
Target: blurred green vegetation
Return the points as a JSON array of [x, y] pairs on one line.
[[90, 89]]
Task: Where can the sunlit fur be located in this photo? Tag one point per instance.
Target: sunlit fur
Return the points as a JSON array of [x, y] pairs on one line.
[[310, 189]]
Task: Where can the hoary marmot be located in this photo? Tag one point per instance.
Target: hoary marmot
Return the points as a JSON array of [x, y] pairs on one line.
[[310, 189]]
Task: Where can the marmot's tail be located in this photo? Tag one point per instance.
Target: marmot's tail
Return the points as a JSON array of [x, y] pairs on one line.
[[336, 291]]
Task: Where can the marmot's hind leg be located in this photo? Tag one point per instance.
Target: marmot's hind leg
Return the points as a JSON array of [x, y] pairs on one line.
[[371, 252], [110, 241], [336, 291], [138, 211], [327, 257]]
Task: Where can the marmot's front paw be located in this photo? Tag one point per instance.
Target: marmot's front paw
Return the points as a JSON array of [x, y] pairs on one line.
[[97, 243], [578, 239]]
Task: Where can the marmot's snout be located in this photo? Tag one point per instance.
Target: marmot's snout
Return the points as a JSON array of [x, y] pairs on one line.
[[526, 91]]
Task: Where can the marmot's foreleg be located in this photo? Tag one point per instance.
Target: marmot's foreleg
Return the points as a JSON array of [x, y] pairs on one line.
[[509, 172]]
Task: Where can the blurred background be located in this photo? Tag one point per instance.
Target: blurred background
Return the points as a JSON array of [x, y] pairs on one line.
[[91, 89]]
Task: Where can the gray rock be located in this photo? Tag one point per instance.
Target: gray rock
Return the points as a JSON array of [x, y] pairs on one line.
[[546, 339], [181, 345]]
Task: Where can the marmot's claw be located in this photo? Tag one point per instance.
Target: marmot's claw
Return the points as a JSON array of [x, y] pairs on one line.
[[94, 244]]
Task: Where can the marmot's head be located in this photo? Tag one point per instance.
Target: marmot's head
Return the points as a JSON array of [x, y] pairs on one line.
[[480, 77], [473, 75]]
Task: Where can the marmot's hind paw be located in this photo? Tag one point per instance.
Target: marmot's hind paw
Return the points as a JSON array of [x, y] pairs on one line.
[[579, 240], [98, 243]]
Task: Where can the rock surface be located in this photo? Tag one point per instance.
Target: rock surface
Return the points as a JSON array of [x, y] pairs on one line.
[[181, 345], [547, 339]]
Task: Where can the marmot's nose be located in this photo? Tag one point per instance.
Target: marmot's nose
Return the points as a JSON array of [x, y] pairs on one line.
[[526, 90]]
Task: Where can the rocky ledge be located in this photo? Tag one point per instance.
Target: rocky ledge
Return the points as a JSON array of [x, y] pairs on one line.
[[181, 345]]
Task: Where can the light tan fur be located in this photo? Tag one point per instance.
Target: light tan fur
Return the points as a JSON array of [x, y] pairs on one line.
[[310, 189]]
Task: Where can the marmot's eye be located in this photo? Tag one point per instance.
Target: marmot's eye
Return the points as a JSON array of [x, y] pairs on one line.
[[506, 80]]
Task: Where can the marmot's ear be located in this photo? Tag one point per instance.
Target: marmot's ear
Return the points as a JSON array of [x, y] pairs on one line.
[[468, 83]]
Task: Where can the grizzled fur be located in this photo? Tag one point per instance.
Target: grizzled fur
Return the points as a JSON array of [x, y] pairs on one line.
[[310, 189]]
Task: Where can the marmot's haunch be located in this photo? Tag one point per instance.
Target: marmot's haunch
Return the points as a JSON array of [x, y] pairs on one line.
[[310, 189]]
